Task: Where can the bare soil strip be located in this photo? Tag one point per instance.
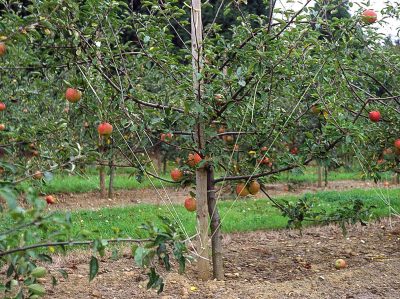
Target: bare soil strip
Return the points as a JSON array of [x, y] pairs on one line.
[[272, 264]]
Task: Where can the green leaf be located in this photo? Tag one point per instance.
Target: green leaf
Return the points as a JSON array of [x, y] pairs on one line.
[[94, 268], [39, 272], [37, 289], [141, 256], [155, 281]]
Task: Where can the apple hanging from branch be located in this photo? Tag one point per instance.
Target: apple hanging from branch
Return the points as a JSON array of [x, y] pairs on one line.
[[369, 16]]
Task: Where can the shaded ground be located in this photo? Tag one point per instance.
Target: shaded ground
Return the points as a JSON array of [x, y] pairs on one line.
[[261, 265], [92, 200]]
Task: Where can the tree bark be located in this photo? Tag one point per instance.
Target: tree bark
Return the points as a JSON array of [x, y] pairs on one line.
[[102, 178], [203, 265], [326, 175], [396, 178], [102, 170], [215, 225], [319, 173], [112, 175]]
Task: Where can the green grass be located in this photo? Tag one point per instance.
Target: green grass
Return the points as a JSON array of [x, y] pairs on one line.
[[62, 183], [88, 183], [240, 216], [243, 215], [310, 175]]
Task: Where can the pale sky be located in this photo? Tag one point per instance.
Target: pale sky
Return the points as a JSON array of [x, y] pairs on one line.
[[388, 29]]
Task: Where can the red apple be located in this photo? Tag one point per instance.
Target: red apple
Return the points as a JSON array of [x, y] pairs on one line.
[[166, 137], [3, 49], [194, 159], [374, 116], [176, 174], [397, 144], [265, 161], [2, 127], [242, 190], [369, 16], [386, 184], [340, 264], [190, 204], [73, 95], [105, 129], [294, 150], [2, 106], [50, 199]]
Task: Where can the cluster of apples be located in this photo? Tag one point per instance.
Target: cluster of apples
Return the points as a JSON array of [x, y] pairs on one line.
[[375, 116], [74, 95], [177, 175], [193, 160], [252, 188]]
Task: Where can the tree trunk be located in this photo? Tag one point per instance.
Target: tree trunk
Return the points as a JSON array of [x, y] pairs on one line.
[[396, 178], [102, 178], [165, 164], [112, 175], [203, 266], [319, 173], [102, 170], [326, 175], [215, 225]]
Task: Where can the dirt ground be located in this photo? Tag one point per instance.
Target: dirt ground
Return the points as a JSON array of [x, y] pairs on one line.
[[271, 264], [92, 200]]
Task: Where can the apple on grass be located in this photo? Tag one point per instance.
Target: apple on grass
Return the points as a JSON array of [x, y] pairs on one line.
[[105, 129], [73, 95], [374, 116], [397, 144], [2, 127], [3, 49], [2, 106]]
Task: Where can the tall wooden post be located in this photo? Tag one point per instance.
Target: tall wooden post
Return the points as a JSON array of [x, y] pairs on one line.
[[216, 239], [319, 173], [203, 265]]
